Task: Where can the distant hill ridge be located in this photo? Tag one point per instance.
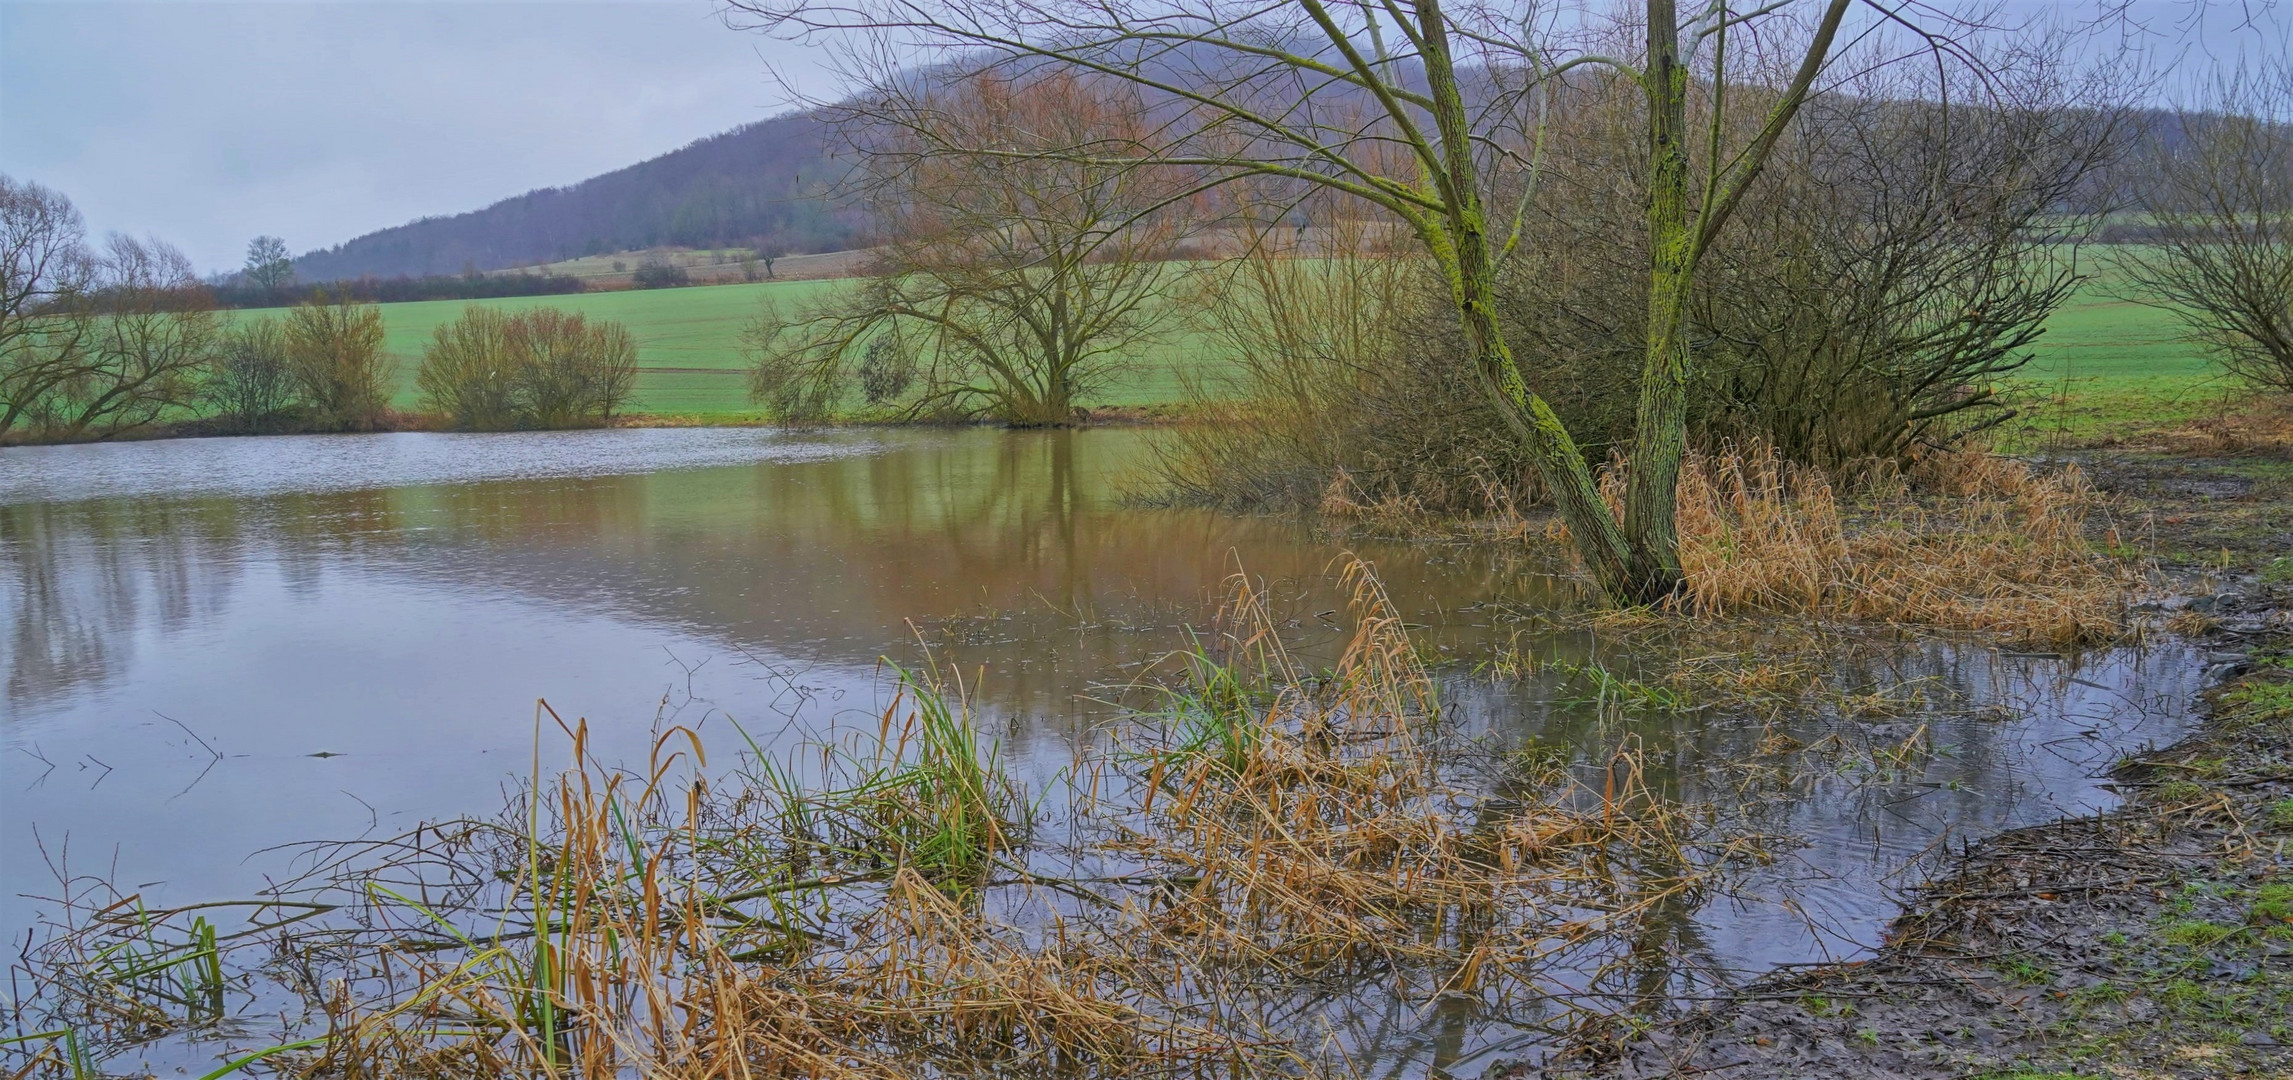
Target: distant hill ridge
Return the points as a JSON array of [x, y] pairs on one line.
[[763, 184]]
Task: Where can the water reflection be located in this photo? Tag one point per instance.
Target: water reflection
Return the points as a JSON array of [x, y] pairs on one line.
[[361, 640]]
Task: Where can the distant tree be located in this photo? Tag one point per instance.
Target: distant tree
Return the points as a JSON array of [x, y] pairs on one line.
[[269, 267], [660, 273], [1021, 282], [768, 254], [248, 379], [2220, 206], [334, 350]]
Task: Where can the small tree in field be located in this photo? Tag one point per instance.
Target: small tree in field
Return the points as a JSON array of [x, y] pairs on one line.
[[2220, 206], [1015, 284], [269, 267], [334, 350]]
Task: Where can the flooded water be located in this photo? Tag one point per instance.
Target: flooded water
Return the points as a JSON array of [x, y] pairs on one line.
[[215, 647]]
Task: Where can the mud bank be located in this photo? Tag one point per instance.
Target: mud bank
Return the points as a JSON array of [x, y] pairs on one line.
[[2154, 941]]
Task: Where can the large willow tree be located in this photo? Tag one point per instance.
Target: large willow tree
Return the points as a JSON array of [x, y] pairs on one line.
[[1431, 112]]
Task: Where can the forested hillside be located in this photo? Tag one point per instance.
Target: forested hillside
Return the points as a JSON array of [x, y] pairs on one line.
[[765, 184]]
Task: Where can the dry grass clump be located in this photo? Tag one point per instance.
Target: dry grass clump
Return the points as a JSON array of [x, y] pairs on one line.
[[2258, 425], [1329, 836], [2003, 550]]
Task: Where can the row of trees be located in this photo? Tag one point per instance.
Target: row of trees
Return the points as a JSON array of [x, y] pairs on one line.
[[1705, 218], [95, 342]]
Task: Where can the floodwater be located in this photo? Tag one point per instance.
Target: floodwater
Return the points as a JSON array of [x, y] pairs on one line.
[[214, 647]]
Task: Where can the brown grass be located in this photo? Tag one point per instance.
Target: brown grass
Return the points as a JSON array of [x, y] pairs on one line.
[[1995, 546], [2247, 425]]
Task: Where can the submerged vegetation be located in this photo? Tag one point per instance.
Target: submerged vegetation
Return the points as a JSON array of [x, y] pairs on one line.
[[1270, 845]]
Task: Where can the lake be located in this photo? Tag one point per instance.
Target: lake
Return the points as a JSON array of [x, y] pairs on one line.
[[216, 647]]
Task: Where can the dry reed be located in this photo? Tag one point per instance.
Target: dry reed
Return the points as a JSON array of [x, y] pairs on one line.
[[2003, 551]]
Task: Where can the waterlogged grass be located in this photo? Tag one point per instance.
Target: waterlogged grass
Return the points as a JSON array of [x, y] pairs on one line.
[[876, 904]]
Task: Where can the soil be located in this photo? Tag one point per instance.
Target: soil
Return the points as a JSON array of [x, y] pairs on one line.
[[2153, 941]]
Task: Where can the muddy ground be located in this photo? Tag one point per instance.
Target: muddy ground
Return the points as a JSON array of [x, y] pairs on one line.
[[2155, 941]]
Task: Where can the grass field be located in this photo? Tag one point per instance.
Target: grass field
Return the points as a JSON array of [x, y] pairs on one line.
[[2112, 366], [2104, 365], [688, 344]]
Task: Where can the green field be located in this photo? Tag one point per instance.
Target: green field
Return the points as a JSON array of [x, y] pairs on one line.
[[2108, 365], [688, 344], [2104, 364]]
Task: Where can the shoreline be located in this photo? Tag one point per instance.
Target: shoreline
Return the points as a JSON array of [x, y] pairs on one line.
[[1113, 416], [2153, 940]]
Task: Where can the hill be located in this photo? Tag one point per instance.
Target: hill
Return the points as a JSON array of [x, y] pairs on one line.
[[761, 185]]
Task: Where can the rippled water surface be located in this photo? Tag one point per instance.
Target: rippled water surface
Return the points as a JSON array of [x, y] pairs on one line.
[[213, 647]]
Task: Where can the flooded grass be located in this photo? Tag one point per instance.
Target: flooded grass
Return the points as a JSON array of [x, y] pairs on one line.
[[1315, 840], [1271, 846]]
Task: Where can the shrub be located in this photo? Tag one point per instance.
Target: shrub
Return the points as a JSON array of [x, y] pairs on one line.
[[334, 353], [542, 368], [572, 372], [467, 374], [249, 379], [659, 273]]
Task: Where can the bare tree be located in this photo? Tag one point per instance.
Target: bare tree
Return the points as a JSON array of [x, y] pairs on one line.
[[1013, 282], [2219, 204], [150, 328], [269, 267], [46, 272], [1413, 106], [89, 345]]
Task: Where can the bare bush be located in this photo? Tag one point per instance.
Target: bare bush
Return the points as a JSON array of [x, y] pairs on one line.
[[248, 379], [334, 350], [467, 374], [573, 372], [2219, 203], [1897, 258], [660, 273], [541, 368]]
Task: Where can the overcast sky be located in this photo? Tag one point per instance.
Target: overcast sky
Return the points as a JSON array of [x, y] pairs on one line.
[[207, 123]]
